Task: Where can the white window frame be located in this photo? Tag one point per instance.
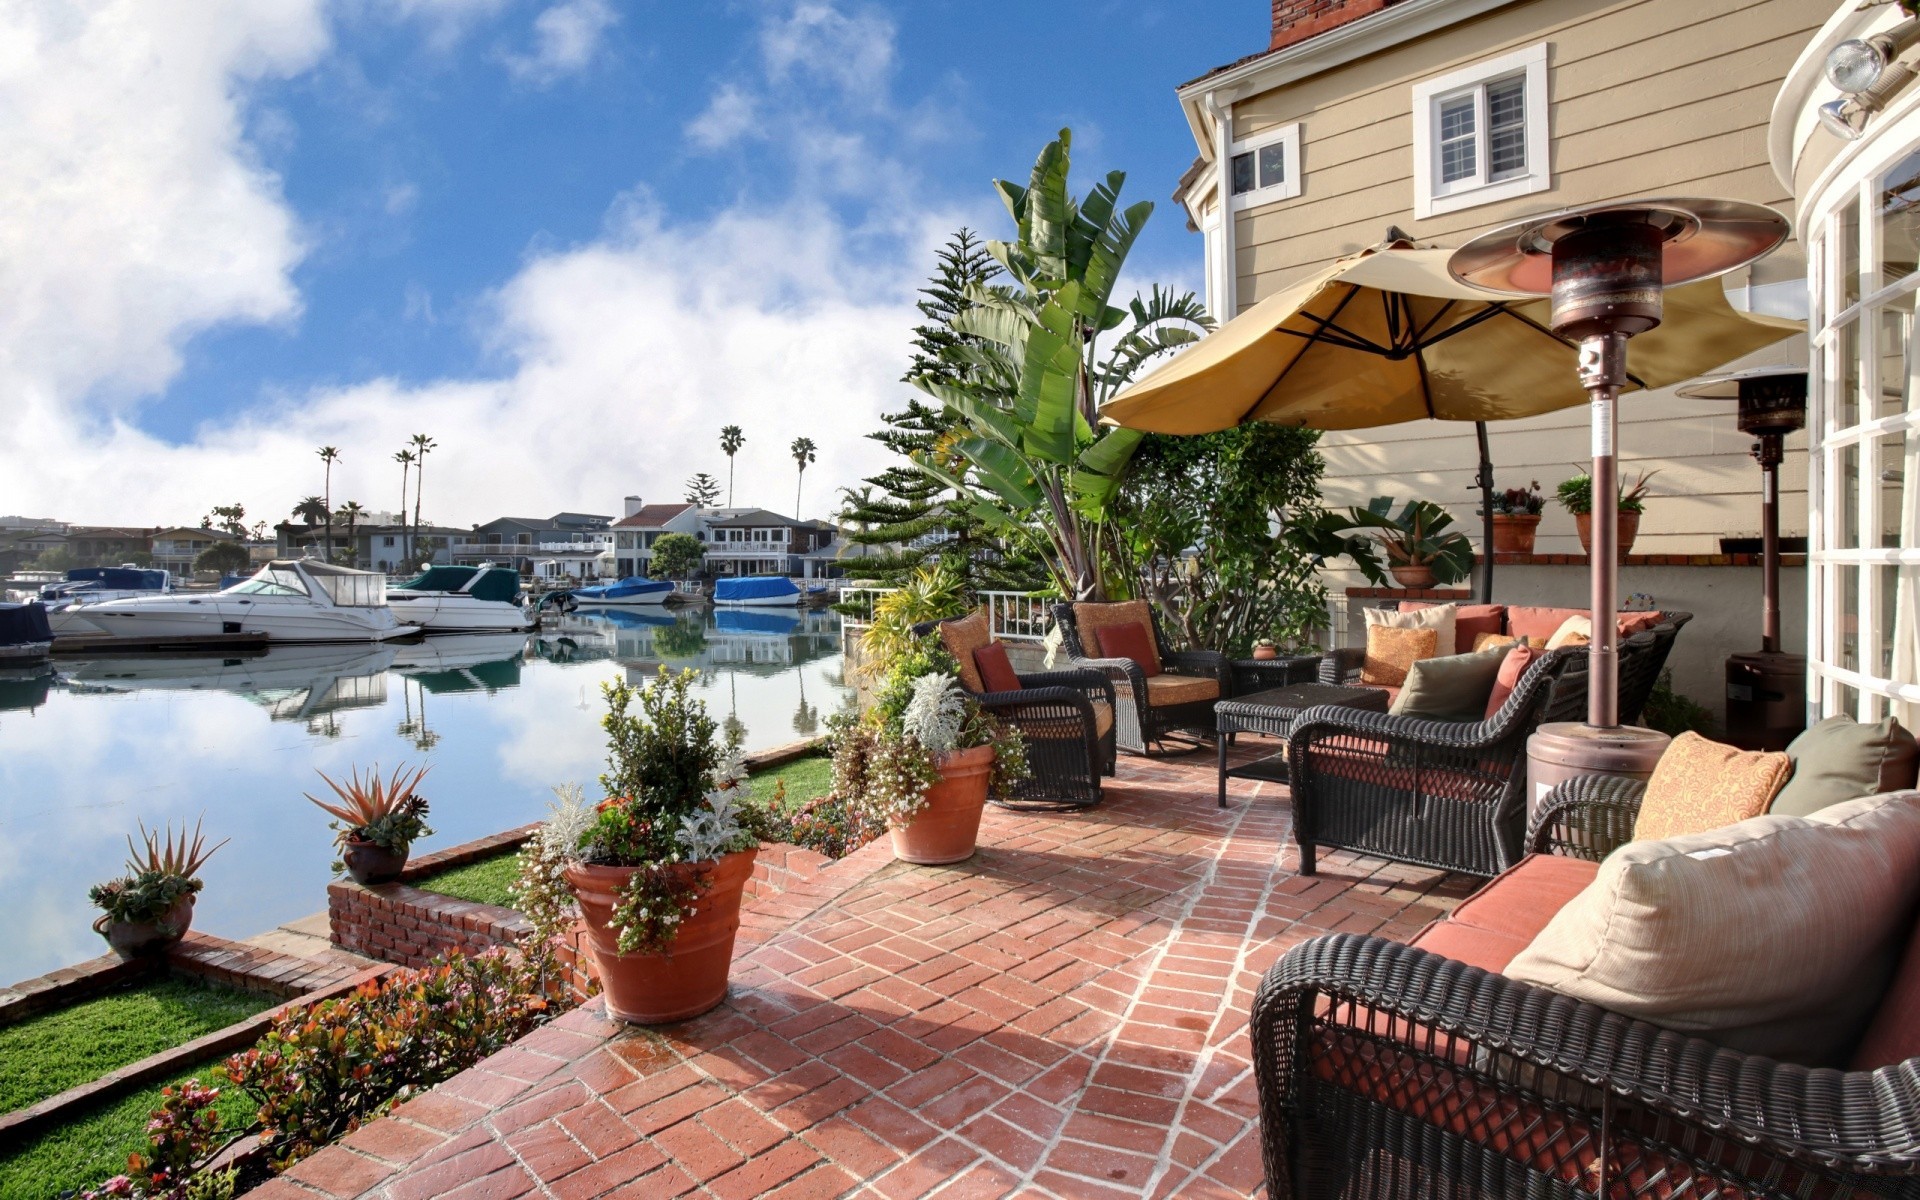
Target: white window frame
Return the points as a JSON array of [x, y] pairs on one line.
[[1431, 198], [1288, 136]]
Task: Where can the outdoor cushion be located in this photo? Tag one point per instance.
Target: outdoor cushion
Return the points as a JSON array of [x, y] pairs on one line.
[[1894, 1034], [1513, 668], [1776, 936], [1470, 622], [1488, 949], [1700, 785], [1522, 899], [1487, 641], [1391, 653], [996, 672], [1453, 687], [1527, 622], [1090, 618], [1576, 630], [1444, 618], [1631, 623], [1841, 759], [1130, 642], [1051, 729], [962, 636], [1163, 690]]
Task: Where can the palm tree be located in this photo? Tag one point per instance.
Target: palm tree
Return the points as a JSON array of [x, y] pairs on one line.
[[329, 455], [352, 511], [312, 510], [731, 439], [421, 445], [803, 453], [406, 459]]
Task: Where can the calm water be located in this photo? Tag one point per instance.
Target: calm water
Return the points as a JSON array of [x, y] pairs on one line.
[[501, 718]]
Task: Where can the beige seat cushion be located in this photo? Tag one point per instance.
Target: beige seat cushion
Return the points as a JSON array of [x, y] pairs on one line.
[[1392, 651], [1442, 618], [1064, 728], [1088, 619], [962, 636], [1163, 690], [1700, 785], [1775, 936]]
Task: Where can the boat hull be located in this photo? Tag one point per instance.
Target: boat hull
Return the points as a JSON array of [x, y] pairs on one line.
[[649, 599], [447, 613], [792, 601], [180, 618]]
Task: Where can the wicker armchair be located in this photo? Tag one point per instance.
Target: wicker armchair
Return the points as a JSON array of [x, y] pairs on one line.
[[1067, 719], [1387, 1071], [1145, 722], [1588, 817], [1448, 794]]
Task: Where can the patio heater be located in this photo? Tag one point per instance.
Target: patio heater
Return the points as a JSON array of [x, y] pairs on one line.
[[1605, 267], [1766, 692]]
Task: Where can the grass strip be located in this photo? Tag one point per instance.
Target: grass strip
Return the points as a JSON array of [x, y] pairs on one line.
[[93, 1146], [45, 1055]]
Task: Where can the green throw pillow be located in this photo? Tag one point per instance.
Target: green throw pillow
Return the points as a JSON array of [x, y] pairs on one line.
[[1453, 688], [1839, 759]]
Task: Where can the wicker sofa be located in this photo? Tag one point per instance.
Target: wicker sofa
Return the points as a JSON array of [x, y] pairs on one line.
[[1151, 708], [1388, 1070]]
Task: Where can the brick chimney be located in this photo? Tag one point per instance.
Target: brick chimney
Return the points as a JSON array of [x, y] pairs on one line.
[[1297, 20]]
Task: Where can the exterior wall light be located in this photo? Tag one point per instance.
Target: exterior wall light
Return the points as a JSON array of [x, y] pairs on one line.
[[1871, 72]]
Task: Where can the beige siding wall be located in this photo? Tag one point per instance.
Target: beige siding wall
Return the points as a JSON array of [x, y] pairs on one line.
[[1646, 97]]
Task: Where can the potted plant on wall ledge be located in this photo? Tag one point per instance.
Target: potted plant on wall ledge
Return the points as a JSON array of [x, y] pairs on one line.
[[925, 757], [1516, 519], [1576, 496], [151, 906], [376, 822], [659, 867]]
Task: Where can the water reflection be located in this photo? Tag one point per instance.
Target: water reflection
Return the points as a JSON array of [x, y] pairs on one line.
[[501, 718]]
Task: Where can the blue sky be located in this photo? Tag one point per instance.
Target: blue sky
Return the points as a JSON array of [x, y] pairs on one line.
[[567, 237]]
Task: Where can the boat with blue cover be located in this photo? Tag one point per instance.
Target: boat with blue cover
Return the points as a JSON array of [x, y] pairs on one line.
[[633, 590], [482, 599], [25, 637], [757, 591]]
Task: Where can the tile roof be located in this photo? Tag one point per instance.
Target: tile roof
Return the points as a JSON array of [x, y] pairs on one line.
[[651, 516]]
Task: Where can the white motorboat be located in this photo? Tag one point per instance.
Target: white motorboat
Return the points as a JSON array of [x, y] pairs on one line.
[[482, 599], [68, 600], [287, 601]]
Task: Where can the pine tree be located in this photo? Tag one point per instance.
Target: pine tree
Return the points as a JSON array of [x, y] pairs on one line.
[[903, 509]]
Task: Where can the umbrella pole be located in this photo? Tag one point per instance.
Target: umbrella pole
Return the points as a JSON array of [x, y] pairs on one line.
[[1485, 480], [1603, 372]]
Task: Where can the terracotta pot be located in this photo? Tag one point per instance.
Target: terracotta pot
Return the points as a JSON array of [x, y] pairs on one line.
[[129, 938], [690, 977], [1513, 533], [1408, 576], [948, 828], [1629, 525], [1265, 653], [370, 862]]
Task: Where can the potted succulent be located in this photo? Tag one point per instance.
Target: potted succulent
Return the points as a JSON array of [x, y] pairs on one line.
[[376, 822], [1576, 496], [1265, 650], [659, 866], [151, 906], [1516, 518], [925, 756]]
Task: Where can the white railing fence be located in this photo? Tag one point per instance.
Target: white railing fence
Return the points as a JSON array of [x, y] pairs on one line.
[[1015, 616]]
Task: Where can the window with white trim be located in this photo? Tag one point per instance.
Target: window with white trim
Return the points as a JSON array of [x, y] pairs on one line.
[[1265, 167], [1480, 133]]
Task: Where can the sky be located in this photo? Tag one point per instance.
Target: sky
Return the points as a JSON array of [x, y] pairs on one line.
[[567, 239]]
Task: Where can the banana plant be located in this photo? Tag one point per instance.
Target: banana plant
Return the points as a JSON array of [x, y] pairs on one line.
[[1415, 536], [1044, 352]]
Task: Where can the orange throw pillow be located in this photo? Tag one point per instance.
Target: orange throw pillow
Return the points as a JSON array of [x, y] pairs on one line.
[[1392, 652], [1512, 667], [1130, 641], [1701, 785], [996, 672]]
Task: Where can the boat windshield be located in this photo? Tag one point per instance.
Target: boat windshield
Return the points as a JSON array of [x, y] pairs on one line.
[[354, 589], [274, 581]]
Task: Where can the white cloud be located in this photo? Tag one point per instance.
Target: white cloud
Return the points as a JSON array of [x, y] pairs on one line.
[[854, 51], [566, 37], [733, 113]]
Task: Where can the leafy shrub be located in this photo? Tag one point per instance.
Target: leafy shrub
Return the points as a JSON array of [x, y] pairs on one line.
[[1673, 714]]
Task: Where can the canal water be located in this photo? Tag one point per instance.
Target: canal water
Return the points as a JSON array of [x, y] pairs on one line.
[[500, 719]]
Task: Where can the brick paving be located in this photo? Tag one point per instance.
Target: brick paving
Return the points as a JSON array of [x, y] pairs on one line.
[[1064, 1016]]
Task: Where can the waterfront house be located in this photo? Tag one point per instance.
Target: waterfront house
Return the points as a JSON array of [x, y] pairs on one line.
[[753, 541], [18, 547], [642, 526], [581, 544], [381, 542], [109, 545], [175, 549], [1443, 118]]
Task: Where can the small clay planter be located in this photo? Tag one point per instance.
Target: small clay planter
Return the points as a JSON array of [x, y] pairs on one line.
[[1628, 525], [1513, 533], [131, 938], [1265, 653], [1413, 576], [690, 976], [948, 829], [370, 862]]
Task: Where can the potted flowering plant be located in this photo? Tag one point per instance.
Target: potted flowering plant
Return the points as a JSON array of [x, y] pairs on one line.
[[376, 822], [151, 906], [1516, 518], [924, 758], [659, 866], [1576, 496]]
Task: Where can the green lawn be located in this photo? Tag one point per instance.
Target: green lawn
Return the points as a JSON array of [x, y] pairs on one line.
[[93, 1147], [486, 881], [45, 1055]]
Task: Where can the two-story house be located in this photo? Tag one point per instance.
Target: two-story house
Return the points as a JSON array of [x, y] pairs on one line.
[[579, 545], [108, 545], [753, 541], [382, 543], [644, 524], [175, 549]]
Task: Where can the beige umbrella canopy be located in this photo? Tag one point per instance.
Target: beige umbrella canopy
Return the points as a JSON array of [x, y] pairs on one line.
[[1388, 335]]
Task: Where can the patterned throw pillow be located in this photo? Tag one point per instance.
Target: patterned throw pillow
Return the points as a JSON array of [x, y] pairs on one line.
[[1701, 785], [1486, 641], [1576, 630], [1392, 652], [1441, 617]]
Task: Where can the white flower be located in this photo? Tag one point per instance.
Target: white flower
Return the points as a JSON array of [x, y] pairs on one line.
[[936, 712], [706, 833], [568, 817]]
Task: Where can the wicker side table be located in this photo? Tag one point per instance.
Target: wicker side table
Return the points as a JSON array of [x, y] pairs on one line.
[[1273, 713], [1263, 674]]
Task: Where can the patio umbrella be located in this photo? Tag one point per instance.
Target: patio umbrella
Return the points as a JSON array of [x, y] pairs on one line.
[[1388, 336]]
